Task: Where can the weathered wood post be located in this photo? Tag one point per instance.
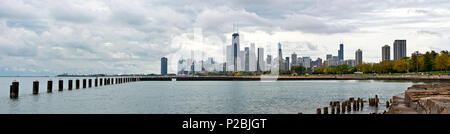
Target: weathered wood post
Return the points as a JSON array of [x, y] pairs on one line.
[[338, 108], [90, 83], [343, 107], [77, 84], [49, 86], [318, 111], [358, 101], [84, 83], [60, 85], [333, 111], [14, 90], [349, 106], [96, 82], [70, 84], [325, 110], [354, 105], [376, 100], [35, 87], [387, 104]]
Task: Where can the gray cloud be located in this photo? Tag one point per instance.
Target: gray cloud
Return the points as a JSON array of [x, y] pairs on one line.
[[55, 36]]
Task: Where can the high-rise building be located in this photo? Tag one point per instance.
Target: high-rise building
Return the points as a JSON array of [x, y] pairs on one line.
[[287, 67], [269, 59], [252, 57], [318, 62], [163, 66], [280, 56], [260, 61], [306, 62], [236, 49], [358, 56], [247, 58], [294, 59], [385, 53], [399, 49], [329, 56], [341, 52]]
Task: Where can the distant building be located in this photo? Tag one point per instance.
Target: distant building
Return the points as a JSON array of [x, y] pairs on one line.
[[329, 56], [385, 53], [341, 52], [358, 57], [318, 62], [247, 58], [280, 56], [269, 59], [287, 67], [306, 62], [350, 62], [260, 61], [236, 49], [294, 59], [399, 49], [163, 66]]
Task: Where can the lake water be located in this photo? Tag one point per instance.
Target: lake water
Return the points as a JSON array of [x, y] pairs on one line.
[[193, 97]]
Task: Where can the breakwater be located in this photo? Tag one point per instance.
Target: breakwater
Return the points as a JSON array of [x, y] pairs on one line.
[[316, 77]]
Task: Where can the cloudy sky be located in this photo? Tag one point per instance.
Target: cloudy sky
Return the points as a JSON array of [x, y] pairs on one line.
[[49, 37]]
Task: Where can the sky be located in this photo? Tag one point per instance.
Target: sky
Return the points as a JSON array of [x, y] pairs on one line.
[[50, 37]]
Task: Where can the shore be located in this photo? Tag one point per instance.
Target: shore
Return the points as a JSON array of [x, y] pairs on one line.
[[310, 77], [422, 99]]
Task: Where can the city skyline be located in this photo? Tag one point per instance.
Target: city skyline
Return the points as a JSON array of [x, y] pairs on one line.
[[122, 37]]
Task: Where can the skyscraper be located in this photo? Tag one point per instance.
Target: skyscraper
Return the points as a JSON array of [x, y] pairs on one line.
[[260, 61], [236, 49], [329, 56], [306, 62], [385, 53], [252, 57], [358, 56], [399, 49], [294, 59], [287, 64], [341, 52], [280, 56], [163, 66], [247, 59]]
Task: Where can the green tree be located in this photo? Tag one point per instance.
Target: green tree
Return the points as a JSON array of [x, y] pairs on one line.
[[298, 69], [442, 61], [428, 61], [401, 65]]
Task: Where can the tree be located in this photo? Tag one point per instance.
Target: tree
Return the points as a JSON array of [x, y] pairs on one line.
[[414, 62], [442, 61], [428, 61], [401, 65], [298, 69]]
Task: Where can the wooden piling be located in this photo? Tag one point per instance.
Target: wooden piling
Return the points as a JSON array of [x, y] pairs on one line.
[[84, 83], [90, 83], [70, 84], [376, 100], [14, 90], [349, 106], [362, 104], [333, 111], [60, 85], [101, 81], [343, 107], [338, 108], [77, 84], [49, 86], [96, 82], [387, 104], [318, 111], [35, 87]]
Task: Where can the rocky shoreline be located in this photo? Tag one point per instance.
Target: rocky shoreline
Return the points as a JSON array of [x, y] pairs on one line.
[[422, 99]]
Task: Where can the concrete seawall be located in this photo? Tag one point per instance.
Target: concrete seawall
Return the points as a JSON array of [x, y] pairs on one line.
[[316, 77]]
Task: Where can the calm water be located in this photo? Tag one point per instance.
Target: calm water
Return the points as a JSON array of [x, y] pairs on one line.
[[193, 96]]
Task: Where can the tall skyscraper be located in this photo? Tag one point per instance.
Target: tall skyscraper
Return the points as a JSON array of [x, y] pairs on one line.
[[399, 49], [294, 59], [287, 67], [247, 59], [385, 53], [236, 49], [163, 66], [252, 57], [280, 56], [341, 52], [306, 62], [260, 61], [358, 56]]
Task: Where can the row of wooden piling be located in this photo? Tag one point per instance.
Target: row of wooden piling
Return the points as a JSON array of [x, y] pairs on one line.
[[337, 107], [87, 83]]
